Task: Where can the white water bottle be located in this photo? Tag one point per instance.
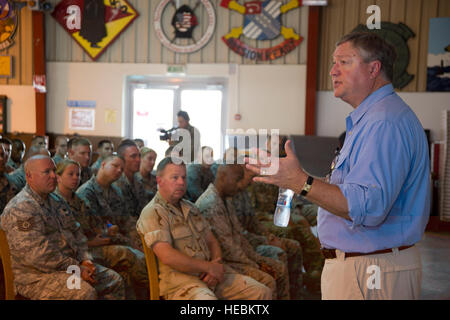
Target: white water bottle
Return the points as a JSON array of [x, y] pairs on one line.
[[283, 210]]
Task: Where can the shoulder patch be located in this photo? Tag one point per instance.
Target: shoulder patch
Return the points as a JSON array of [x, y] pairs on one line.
[[25, 225]]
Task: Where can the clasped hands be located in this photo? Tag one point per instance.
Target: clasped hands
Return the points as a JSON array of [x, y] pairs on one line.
[[215, 273]]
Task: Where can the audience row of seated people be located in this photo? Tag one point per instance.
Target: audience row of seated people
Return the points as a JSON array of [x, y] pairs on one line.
[[212, 238]]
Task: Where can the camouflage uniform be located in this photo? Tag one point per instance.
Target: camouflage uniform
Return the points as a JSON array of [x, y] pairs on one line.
[[45, 240], [96, 165], [12, 164], [86, 174], [17, 178], [128, 262], [198, 179], [264, 199], [57, 158], [185, 230], [256, 232], [110, 206], [7, 190], [150, 187], [133, 193], [236, 250]]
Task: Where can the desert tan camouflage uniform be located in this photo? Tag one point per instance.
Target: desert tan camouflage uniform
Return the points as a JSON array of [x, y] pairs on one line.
[[185, 230], [236, 250], [45, 239]]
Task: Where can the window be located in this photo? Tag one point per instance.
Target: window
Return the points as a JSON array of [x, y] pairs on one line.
[[154, 103]]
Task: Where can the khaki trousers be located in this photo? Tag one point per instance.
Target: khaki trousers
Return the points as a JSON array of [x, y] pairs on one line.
[[234, 287], [389, 276]]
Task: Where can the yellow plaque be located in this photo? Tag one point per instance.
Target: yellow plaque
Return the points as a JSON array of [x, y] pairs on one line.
[[5, 66]]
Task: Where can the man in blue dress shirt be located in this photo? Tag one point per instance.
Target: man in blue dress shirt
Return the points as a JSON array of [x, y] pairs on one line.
[[375, 204]]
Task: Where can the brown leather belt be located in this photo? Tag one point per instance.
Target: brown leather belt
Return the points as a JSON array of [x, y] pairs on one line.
[[331, 253]]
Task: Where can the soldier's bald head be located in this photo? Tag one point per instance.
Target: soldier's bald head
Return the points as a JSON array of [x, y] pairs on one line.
[[33, 161]]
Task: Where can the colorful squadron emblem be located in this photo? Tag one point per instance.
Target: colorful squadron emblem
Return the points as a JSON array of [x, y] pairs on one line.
[[94, 24], [262, 21], [9, 20], [184, 21]]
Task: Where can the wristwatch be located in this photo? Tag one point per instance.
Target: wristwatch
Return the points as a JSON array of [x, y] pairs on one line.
[[307, 186]]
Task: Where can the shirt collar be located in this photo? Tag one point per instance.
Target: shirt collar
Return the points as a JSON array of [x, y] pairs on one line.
[[185, 207], [361, 110]]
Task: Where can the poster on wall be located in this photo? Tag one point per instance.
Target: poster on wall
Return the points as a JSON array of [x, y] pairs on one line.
[[81, 119], [9, 21], [438, 63], [261, 22], [178, 36], [94, 24]]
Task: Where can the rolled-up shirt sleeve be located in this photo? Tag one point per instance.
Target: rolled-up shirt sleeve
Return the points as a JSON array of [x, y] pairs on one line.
[[153, 224], [376, 174]]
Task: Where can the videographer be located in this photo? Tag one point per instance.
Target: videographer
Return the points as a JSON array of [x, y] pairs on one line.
[[177, 136]]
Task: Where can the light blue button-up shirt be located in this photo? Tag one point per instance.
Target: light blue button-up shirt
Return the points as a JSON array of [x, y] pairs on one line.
[[383, 171]]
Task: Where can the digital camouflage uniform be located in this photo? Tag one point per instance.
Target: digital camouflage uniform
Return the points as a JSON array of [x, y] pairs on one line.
[[44, 240], [133, 193], [264, 198], [12, 164], [236, 250], [17, 178], [128, 262], [57, 159], [198, 179], [86, 174], [150, 187], [7, 190], [110, 206], [186, 230], [258, 236], [96, 165]]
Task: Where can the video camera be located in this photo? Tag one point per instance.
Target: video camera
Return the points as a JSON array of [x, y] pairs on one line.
[[166, 134]]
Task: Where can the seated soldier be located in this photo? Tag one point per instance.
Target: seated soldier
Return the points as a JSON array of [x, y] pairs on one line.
[[45, 241], [259, 236], [104, 199], [139, 143], [17, 153], [80, 151], [199, 175], [145, 176], [264, 199], [7, 188], [220, 213], [60, 149], [126, 261], [105, 148], [17, 177], [132, 190], [39, 141], [190, 260], [7, 145]]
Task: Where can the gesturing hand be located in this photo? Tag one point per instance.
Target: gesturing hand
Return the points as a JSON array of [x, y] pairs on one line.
[[289, 173]]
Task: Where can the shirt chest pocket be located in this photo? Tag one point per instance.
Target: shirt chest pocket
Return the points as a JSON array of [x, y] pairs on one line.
[[181, 231], [339, 167]]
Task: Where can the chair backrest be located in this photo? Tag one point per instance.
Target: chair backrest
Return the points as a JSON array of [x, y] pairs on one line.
[[7, 270], [152, 270]]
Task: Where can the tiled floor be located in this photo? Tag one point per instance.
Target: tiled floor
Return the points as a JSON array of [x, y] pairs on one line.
[[435, 252]]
